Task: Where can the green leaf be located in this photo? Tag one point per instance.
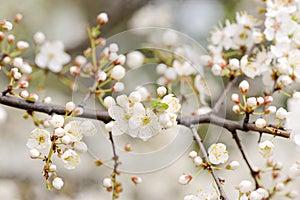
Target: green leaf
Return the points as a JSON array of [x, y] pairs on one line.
[[159, 106]]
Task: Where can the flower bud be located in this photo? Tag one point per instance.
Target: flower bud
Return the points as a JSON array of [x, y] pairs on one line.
[[161, 68], [52, 167], [18, 17], [263, 192], [118, 87], [184, 179], [107, 183], [112, 56], [233, 165], [113, 47], [59, 132], [128, 147], [26, 68], [270, 110], [22, 45], [161, 91], [74, 70], [216, 70], [39, 37], [170, 74], [109, 101], [198, 161], [23, 84], [6, 25], [57, 183], [245, 186], [17, 76], [135, 59], [260, 101], [281, 113], [47, 100], [118, 72], [6, 59], [18, 62], [254, 195], [136, 180], [102, 18], [101, 76], [234, 64], [78, 111], [193, 154], [70, 106], [268, 99], [235, 98], [34, 153], [251, 102], [236, 109], [24, 94], [10, 38], [260, 123], [120, 60], [244, 86]]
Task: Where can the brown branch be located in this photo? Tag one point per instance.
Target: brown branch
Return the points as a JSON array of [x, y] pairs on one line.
[[223, 195], [254, 173], [212, 118], [50, 108]]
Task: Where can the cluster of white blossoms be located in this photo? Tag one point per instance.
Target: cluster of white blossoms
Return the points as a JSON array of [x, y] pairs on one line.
[[65, 140], [217, 154], [133, 116], [254, 49]]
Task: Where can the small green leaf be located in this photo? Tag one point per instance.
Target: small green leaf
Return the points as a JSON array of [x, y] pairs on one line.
[[159, 106]]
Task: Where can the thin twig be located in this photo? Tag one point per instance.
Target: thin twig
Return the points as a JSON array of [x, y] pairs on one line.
[[115, 169], [223, 195], [103, 116], [254, 173], [221, 100]]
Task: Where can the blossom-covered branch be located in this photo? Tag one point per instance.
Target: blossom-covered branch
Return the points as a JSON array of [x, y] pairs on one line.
[[103, 116]]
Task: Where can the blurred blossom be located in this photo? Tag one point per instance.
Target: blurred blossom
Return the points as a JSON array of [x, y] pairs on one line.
[[152, 15], [62, 20]]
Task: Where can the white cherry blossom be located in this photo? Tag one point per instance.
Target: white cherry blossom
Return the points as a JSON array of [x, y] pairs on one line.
[[39, 139], [52, 56], [70, 158], [217, 153]]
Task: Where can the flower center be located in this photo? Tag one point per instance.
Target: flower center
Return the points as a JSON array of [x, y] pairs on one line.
[[146, 120], [41, 139]]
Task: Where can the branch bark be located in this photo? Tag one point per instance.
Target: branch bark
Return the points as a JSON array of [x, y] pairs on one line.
[[212, 118], [254, 173]]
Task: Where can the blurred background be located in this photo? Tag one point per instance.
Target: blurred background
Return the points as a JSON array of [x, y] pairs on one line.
[[21, 178]]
